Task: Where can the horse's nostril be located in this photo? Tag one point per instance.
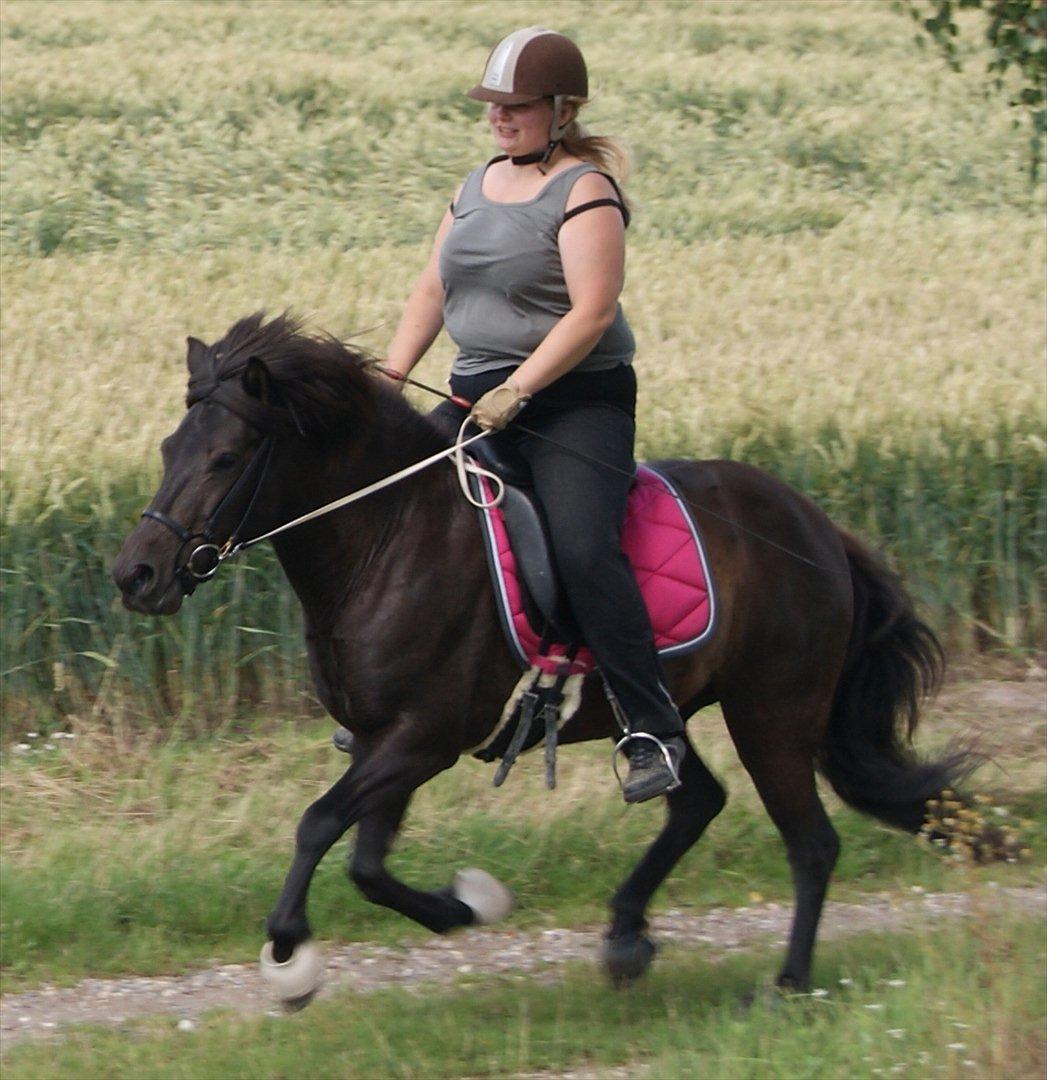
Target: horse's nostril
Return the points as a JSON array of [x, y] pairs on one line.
[[139, 578]]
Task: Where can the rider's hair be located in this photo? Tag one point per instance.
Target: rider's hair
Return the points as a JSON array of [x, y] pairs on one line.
[[607, 154]]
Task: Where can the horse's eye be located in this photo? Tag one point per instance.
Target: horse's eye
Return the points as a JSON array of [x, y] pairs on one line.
[[224, 461]]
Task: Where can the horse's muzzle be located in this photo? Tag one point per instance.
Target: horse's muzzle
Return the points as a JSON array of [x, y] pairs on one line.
[[143, 587]]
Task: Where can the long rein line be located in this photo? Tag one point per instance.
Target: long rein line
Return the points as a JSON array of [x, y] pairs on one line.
[[397, 377], [386, 481]]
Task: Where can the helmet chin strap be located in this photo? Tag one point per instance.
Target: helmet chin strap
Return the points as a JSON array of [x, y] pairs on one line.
[[556, 134]]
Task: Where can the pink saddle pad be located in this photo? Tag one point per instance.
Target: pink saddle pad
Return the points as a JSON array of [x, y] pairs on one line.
[[662, 543]]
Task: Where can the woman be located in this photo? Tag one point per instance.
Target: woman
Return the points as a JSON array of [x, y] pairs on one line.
[[525, 273]]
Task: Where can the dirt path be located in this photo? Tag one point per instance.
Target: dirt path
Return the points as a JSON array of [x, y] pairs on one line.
[[361, 967]]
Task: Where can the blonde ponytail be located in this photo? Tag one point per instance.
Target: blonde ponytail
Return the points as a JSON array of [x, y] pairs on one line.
[[607, 154]]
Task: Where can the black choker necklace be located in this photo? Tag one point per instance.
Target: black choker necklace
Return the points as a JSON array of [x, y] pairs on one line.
[[528, 159], [542, 156]]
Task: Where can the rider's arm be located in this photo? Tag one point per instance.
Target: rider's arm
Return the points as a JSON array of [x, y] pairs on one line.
[[592, 250], [422, 317]]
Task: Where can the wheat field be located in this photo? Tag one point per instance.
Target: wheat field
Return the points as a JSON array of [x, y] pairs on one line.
[[836, 271]]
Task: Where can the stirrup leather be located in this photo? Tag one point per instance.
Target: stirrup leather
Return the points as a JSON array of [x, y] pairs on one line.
[[668, 757]]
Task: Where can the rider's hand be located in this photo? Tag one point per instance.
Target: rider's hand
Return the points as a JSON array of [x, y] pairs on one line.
[[498, 406]]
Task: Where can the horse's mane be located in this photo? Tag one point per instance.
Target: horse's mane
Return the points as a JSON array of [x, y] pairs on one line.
[[325, 385]]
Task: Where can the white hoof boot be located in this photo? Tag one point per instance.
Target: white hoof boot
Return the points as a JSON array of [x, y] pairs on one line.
[[490, 900], [297, 979]]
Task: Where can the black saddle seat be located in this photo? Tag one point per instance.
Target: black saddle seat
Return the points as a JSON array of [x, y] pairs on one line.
[[528, 535]]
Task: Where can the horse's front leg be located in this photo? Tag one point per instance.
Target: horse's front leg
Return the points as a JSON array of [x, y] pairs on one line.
[[383, 776], [323, 823], [473, 897], [375, 792]]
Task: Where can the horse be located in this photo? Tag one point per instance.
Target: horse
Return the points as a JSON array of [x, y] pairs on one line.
[[819, 661]]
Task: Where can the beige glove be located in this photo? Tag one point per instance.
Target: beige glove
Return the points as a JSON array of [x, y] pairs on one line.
[[498, 406]]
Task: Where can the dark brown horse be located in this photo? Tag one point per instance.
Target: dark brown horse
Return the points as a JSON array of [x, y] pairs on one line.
[[818, 660]]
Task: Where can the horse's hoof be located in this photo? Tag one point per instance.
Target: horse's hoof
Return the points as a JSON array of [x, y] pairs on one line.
[[627, 958], [297, 979], [293, 1005], [488, 899]]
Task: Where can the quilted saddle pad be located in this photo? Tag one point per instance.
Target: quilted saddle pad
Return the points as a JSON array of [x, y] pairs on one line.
[[661, 541]]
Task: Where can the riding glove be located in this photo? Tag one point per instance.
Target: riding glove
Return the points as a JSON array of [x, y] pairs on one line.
[[498, 406]]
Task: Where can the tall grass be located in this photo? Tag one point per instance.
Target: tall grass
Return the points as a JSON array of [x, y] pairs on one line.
[[836, 272]]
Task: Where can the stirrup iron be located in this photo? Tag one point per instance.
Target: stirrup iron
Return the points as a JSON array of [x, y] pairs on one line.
[[619, 747]]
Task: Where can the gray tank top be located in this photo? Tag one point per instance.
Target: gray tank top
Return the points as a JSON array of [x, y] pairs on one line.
[[503, 281]]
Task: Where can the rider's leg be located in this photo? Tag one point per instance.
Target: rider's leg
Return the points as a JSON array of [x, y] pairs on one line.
[[585, 504]]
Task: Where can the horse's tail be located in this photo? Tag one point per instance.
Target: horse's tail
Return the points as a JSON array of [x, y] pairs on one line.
[[894, 660]]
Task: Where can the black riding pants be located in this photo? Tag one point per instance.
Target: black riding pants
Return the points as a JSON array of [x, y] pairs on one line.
[[589, 415]]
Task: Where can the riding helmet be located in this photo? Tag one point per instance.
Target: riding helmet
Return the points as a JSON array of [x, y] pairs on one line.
[[532, 63]]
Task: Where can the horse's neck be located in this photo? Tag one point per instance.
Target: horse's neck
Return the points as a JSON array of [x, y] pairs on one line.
[[336, 560]]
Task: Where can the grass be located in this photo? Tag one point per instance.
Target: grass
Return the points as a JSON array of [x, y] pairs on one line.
[[125, 853], [835, 273], [955, 1001]]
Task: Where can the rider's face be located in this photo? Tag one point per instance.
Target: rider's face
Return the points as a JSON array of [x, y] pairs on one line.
[[521, 129]]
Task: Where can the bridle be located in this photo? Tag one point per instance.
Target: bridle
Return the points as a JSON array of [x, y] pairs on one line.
[[196, 562], [217, 544]]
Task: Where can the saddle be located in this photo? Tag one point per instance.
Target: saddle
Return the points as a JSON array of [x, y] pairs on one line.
[[662, 542], [659, 537]]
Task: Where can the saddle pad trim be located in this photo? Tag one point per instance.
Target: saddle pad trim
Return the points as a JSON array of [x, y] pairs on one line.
[[496, 539]]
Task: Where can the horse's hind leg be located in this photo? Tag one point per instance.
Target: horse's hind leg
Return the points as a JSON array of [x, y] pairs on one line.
[[783, 773], [628, 951]]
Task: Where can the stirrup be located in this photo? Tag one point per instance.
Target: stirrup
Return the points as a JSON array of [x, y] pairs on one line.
[[620, 746]]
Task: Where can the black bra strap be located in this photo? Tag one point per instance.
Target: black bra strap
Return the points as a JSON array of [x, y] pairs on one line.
[[592, 206]]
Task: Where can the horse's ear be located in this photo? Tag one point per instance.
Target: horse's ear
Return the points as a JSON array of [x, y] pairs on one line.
[[257, 381], [196, 353]]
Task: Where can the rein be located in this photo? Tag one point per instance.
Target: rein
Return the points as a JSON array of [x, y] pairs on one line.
[[397, 377], [204, 560]]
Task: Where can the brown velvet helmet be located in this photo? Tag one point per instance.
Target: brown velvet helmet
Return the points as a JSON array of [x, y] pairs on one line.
[[532, 63]]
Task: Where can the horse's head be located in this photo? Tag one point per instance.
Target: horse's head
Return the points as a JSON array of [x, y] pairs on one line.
[[265, 392]]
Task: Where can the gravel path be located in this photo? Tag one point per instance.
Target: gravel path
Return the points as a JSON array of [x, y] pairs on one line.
[[362, 967]]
